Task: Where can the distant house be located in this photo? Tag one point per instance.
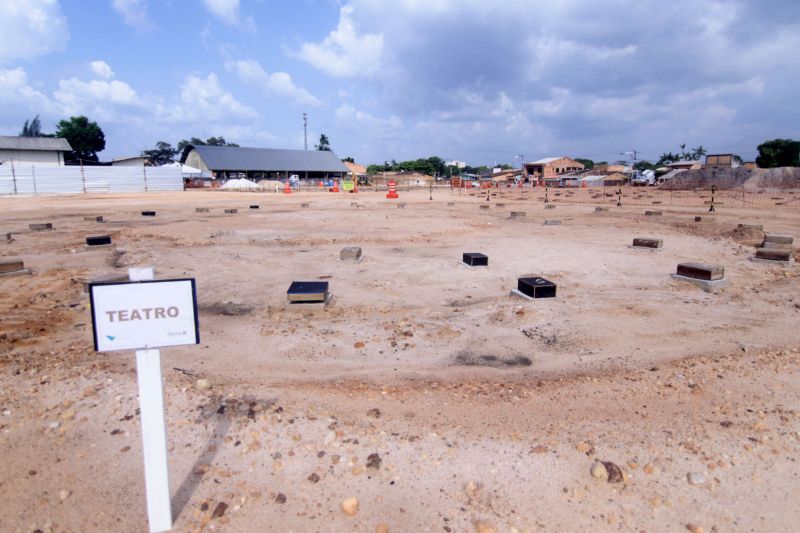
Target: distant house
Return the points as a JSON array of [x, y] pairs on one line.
[[405, 178], [33, 151], [356, 169], [687, 164], [455, 163], [723, 161], [262, 163], [550, 168], [133, 161]]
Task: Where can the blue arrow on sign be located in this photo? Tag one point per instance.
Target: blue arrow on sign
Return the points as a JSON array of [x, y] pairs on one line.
[[110, 337]]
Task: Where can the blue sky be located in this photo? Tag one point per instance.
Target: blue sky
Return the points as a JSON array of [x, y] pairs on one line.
[[480, 81]]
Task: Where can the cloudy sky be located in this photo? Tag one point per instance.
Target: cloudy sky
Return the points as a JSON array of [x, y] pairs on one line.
[[481, 81]]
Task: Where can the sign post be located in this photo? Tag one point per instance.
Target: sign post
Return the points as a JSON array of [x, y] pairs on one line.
[[145, 314]]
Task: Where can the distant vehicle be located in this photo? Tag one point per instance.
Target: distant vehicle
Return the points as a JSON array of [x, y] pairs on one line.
[[646, 177]]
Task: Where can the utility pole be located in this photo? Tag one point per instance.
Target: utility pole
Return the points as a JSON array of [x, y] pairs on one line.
[[305, 130]]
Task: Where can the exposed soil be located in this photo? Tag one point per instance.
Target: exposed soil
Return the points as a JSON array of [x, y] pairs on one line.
[[424, 389]]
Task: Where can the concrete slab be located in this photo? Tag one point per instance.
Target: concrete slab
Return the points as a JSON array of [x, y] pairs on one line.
[[350, 253], [518, 214], [778, 239], [231, 211], [100, 240], [93, 219], [552, 222], [774, 254], [701, 271], [647, 242], [11, 264], [40, 226], [707, 285], [653, 213], [201, 209]]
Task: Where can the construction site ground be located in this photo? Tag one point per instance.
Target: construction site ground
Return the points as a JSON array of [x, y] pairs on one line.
[[424, 389]]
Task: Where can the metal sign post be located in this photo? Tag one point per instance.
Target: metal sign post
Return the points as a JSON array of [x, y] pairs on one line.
[[145, 314]]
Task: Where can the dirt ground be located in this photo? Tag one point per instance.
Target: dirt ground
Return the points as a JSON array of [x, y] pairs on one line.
[[424, 389]]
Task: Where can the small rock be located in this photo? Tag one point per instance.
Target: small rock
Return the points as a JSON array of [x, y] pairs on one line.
[[648, 468], [374, 461], [599, 471], [219, 510], [329, 438], [585, 447], [374, 412], [350, 506], [382, 528], [695, 478], [203, 384], [614, 472], [64, 494], [280, 498], [54, 425], [540, 449], [358, 345], [694, 529], [483, 527], [314, 477]]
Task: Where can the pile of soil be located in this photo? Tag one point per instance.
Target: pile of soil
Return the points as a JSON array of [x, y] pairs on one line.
[[774, 178], [736, 178], [732, 178]]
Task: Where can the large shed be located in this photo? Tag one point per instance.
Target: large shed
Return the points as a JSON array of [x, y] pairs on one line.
[[34, 151], [262, 163]]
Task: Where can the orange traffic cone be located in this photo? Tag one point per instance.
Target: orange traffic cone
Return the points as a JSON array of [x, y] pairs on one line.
[[287, 189], [392, 190]]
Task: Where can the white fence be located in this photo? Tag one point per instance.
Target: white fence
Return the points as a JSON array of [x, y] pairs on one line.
[[74, 179]]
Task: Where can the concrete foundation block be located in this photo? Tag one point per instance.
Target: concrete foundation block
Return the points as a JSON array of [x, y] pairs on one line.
[[552, 222], [774, 254], [307, 291], [518, 214], [40, 226], [201, 209], [11, 264], [93, 219], [600, 209], [647, 242], [701, 271], [350, 253], [653, 213], [101, 240], [475, 259], [148, 213], [706, 285], [778, 239], [231, 211]]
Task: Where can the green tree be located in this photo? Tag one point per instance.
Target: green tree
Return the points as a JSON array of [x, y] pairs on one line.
[[32, 128], [348, 160], [324, 144], [588, 164], [85, 137], [211, 141], [778, 153], [162, 154]]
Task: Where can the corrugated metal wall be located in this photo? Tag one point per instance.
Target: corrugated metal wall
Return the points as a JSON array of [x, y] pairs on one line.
[[72, 179]]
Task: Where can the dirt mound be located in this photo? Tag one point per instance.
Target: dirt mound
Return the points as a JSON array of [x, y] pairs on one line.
[[743, 234], [732, 178], [774, 178], [735, 178]]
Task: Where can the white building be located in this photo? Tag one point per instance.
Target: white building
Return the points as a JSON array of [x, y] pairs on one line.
[[133, 161], [455, 163], [33, 151]]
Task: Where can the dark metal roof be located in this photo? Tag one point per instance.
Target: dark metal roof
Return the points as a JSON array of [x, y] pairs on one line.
[[58, 144], [266, 159]]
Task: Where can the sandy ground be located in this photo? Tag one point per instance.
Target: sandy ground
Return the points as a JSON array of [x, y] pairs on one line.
[[423, 390]]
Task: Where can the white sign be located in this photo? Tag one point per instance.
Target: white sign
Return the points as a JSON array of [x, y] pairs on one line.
[[143, 315]]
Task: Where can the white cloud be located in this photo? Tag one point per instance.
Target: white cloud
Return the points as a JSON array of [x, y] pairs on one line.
[[102, 69], [343, 52], [275, 84], [134, 13], [227, 10], [30, 28], [14, 89], [205, 99], [348, 116]]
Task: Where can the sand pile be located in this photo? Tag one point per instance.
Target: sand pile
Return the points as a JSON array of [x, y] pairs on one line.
[[735, 178]]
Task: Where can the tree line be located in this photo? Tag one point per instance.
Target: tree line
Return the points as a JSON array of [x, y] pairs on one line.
[[87, 139]]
